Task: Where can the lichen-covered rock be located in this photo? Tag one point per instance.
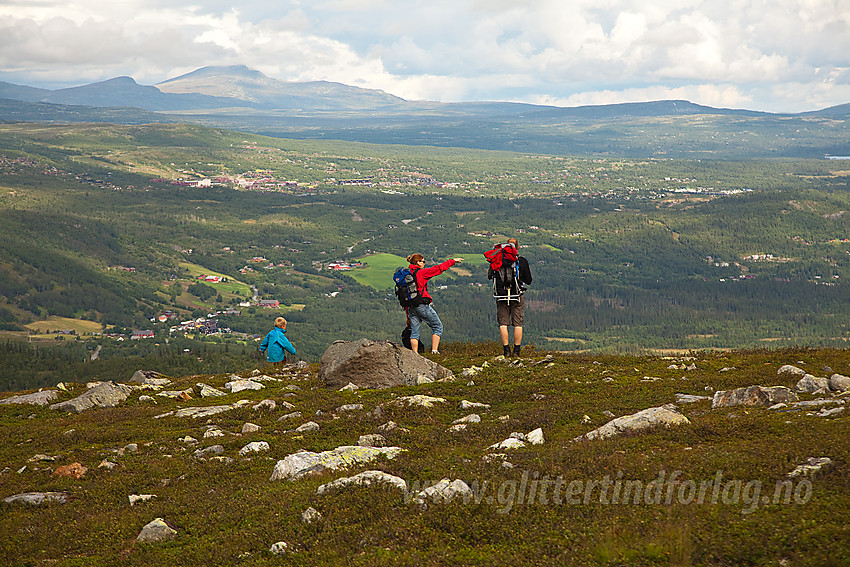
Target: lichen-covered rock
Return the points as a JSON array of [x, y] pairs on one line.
[[376, 364], [311, 516], [298, 465], [664, 416], [372, 440], [255, 447], [811, 466], [809, 384], [208, 391], [366, 478], [753, 396], [790, 369], [41, 398], [239, 385], [150, 377], [104, 395], [37, 498], [156, 530], [420, 400], [444, 491]]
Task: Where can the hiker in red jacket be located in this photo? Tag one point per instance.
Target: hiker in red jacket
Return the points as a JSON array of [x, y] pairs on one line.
[[510, 274], [424, 311]]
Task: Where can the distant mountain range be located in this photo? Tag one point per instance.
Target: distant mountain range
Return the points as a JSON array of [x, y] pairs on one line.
[[237, 86], [240, 98]]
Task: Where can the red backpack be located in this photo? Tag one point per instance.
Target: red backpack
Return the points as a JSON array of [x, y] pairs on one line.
[[501, 254]]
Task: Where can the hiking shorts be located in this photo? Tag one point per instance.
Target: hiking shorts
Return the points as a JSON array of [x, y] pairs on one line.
[[424, 313], [511, 314]]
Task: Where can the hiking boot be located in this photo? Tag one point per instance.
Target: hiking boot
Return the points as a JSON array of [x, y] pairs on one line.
[[516, 350], [507, 350]]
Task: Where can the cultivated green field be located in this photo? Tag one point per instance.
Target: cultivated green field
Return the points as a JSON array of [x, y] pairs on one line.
[[232, 286], [381, 267]]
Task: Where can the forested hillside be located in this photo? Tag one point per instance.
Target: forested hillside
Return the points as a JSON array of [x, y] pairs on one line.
[[115, 224]]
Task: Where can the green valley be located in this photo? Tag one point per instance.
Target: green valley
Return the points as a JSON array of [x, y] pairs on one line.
[[118, 226]]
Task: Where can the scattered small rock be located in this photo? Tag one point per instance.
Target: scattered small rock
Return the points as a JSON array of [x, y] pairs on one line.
[[265, 405], [213, 431], [753, 396], [839, 383], [311, 516], [690, 399], [293, 415], [279, 548], [298, 465], [419, 400], [239, 385], [811, 466], [255, 447], [37, 498], [134, 498], [372, 440], [210, 451], [156, 530], [367, 478], [74, 470], [444, 491], [103, 395], [41, 398], [207, 391], [467, 405], [658, 416], [307, 427], [790, 369], [809, 384]]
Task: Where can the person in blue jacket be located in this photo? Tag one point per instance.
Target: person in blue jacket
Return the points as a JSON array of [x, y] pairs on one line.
[[276, 345]]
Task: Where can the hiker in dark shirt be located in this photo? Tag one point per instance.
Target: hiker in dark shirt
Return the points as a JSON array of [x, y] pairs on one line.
[[509, 282]]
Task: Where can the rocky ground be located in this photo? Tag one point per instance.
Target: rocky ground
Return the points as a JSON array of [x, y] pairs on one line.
[[470, 458]]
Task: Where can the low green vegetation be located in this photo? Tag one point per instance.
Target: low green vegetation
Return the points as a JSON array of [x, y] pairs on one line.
[[227, 511]]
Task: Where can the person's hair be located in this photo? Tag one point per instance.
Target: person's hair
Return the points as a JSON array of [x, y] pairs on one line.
[[280, 322], [513, 241], [415, 258]]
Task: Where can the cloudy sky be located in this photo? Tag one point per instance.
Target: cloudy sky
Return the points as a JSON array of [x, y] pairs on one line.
[[773, 55]]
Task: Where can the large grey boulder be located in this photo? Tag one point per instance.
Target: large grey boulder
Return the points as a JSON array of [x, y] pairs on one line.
[[376, 364], [104, 395], [36, 398], [753, 396], [664, 416]]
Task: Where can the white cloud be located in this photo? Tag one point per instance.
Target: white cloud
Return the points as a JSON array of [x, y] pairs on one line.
[[734, 53]]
